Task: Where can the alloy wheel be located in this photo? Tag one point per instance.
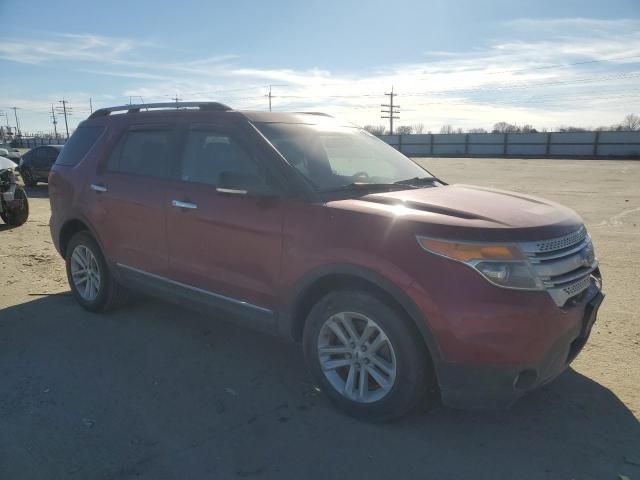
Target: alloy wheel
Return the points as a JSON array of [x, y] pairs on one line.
[[85, 273], [357, 357]]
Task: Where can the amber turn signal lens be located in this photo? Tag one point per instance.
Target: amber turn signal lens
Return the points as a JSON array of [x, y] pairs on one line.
[[470, 251]]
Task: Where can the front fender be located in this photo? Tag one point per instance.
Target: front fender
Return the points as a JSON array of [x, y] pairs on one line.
[[394, 286]]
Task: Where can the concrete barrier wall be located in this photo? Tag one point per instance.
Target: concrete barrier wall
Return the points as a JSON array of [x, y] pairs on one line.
[[551, 144]]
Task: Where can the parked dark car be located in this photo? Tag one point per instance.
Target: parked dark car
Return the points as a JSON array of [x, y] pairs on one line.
[[396, 284], [36, 164]]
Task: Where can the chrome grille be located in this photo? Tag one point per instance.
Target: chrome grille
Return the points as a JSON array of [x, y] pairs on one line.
[[556, 243], [564, 264]]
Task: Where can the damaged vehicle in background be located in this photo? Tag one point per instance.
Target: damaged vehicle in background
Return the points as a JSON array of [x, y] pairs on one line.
[[10, 153], [14, 205]]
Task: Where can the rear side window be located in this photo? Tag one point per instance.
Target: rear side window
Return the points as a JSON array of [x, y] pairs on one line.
[[143, 152], [78, 145]]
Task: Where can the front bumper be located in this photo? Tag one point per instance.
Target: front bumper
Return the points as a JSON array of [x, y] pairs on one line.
[[473, 386]]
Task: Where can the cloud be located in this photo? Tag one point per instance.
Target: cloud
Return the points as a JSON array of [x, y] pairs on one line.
[[547, 72], [66, 46]]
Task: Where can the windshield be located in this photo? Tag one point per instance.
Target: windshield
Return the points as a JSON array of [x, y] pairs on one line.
[[331, 156]]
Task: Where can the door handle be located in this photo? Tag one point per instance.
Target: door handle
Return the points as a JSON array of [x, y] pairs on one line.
[[231, 191], [181, 204], [96, 187]]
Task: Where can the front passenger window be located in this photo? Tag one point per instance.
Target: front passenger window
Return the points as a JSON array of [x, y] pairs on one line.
[[216, 159]]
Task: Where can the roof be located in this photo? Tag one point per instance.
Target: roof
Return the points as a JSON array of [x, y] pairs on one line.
[[285, 117], [181, 108]]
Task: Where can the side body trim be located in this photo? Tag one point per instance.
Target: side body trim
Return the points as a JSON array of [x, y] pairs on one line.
[[181, 293]]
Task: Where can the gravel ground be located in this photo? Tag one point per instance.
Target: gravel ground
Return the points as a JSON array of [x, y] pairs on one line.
[[155, 391]]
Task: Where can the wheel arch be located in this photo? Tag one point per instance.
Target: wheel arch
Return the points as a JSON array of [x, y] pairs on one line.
[[321, 281], [69, 229]]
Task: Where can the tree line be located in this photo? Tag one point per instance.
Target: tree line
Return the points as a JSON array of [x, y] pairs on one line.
[[630, 123]]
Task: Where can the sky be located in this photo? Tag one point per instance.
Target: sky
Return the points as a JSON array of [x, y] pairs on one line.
[[464, 63]]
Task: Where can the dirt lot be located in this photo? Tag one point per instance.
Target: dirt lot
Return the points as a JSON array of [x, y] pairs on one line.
[[155, 391]]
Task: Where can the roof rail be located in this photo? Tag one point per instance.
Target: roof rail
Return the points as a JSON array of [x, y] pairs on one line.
[[211, 106]]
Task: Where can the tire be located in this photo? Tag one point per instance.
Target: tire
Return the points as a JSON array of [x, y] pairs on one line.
[[16, 216], [402, 353], [108, 294]]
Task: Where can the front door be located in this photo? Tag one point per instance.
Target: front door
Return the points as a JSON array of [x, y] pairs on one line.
[[224, 220], [39, 170]]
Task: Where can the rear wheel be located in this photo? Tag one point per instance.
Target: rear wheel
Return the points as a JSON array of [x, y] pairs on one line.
[[365, 356], [90, 280]]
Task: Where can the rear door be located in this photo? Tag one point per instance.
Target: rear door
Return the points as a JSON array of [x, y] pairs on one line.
[[224, 219], [127, 198]]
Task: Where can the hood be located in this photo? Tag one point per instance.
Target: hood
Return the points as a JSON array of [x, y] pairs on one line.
[[466, 207], [5, 163]]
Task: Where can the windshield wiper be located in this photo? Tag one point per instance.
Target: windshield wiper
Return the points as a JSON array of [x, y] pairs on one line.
[[419, 180], [366, 186]]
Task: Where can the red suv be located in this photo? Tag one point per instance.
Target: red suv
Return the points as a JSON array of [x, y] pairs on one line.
[[396, 283]]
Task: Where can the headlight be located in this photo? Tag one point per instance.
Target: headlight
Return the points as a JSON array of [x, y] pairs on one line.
[[503, 265]]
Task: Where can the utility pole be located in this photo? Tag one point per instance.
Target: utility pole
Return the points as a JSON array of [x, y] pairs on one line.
[[270, 96], [15, 113], [392, 110], [55, 122], [177, 100], [90, 105], [5, 133], [66, 112]]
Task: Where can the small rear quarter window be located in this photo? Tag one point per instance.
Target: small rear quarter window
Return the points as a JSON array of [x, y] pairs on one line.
[[78, 145]]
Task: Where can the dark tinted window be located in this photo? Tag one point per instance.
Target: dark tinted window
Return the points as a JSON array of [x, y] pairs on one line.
[[143, 152], [78, 145], [216, 159], [52, 154]]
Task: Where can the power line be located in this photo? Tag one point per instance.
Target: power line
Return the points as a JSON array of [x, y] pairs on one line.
[[564, 65], [392, 110], [498, 87]]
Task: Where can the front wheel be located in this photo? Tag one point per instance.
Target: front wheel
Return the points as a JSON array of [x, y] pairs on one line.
[[366, 356], [18, 212]]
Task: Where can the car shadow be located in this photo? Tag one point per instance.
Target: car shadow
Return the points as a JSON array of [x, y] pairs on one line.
[[157, 391]]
